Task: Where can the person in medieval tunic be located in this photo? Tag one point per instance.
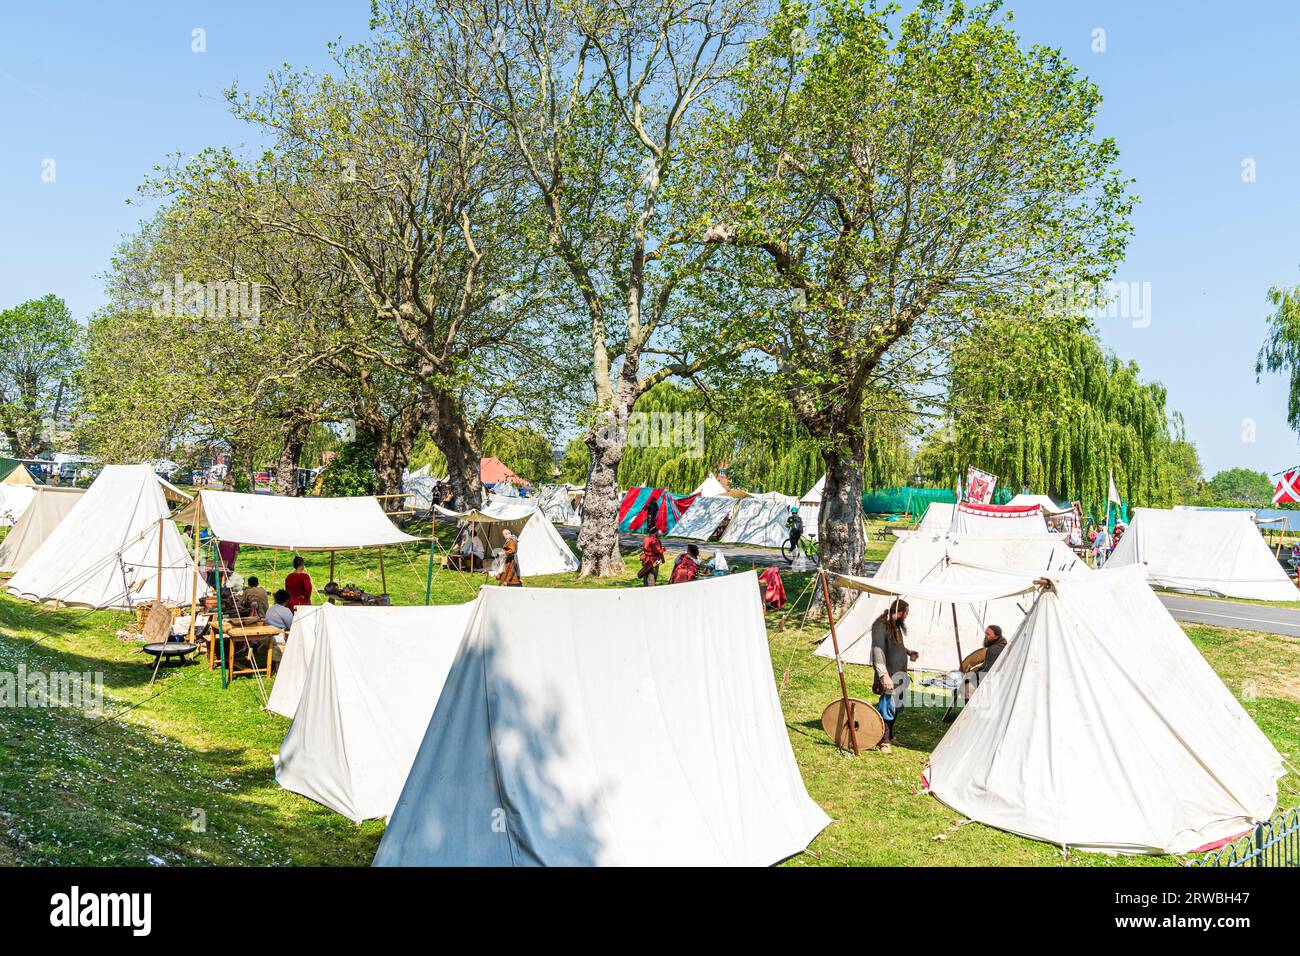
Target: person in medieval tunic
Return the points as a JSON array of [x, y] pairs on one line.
[[298, 584], [687, 566], [509, 575], [652, 555], [890, 656]]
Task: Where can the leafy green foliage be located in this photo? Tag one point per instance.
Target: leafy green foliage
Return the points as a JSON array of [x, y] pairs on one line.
[[1243, 486], [351, 472], [39, 357]]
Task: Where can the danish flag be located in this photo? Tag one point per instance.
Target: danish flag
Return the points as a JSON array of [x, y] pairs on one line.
[[1288, 489]]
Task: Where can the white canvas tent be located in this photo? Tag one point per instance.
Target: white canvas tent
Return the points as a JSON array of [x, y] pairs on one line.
[[1001, 520], [541, 549], [50, 505], [1049, 506], [554, 502], [759, 521], [1213, 552], [703, 517], [710, 487], [14, 501], [922, 559], [937, 518], [295, 524], [369, 689], [504, 489], [628, 726], [1102, 727], [104, 553], [810, 506]]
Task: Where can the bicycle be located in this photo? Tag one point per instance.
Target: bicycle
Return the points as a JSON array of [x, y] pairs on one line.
[[806, 545]]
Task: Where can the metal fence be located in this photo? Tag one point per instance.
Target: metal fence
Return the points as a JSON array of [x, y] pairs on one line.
[[1275, 843]]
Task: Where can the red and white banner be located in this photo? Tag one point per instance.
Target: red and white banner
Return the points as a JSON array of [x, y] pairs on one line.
[[979, 486], [1288, 489]]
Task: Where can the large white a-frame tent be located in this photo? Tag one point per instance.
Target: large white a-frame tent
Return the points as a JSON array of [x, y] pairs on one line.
[[1102, 727], [703, 517], [759, 521], [1209, 552], [630, 726], [920, 558], [373, 677], [50, 505], [105, 552]]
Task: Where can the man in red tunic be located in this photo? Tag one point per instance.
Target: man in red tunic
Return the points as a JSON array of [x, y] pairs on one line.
[[298, 584], [652, 555]]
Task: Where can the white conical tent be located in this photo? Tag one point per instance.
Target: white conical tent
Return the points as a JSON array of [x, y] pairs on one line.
[[921, 559], [554, 502], [49, 507], [104, 553], [541, 549], [373, 680], [703, 517], [1001, 520], [759, 521], [628, 726], [1213, 552], [1102, 727], [710, 487]]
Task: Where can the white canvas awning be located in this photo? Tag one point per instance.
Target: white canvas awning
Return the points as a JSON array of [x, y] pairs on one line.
[[1001, 520], [368, 680], [607, 727], [14, 500], [759, 521], [295, 524], [919, 561], [1102, 727]]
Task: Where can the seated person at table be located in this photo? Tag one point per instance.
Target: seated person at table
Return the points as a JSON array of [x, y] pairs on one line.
[[687, 565], [280, 614], [472, 551], [298, 584], [255, 599]]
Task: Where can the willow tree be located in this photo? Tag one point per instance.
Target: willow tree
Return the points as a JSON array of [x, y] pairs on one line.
[[1281, 350], [879, 183], [1041, 405]]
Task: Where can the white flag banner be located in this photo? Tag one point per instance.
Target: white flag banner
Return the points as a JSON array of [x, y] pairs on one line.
[[1111, 493], [979, 486]]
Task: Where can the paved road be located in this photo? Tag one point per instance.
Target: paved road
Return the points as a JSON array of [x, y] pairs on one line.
[[1250, 617]]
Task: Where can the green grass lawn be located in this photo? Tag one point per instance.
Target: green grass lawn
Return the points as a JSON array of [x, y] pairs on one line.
[[180, 773]]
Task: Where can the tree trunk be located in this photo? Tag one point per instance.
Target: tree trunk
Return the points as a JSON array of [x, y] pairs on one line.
[[391, 457], [458, 441], [842, 540], [598, 535], [286, 478]]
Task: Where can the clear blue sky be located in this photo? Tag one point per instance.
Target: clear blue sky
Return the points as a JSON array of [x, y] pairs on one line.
[[1191, 90]]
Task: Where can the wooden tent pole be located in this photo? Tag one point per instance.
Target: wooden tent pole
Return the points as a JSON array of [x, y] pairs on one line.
[[839, 665], [955, 635], [383, 578], [160, 539], [331, 565], [428, 580], [194, 584]]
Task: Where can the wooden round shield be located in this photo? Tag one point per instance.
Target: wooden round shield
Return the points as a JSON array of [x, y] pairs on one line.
[[867, 723], [974, 660]]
